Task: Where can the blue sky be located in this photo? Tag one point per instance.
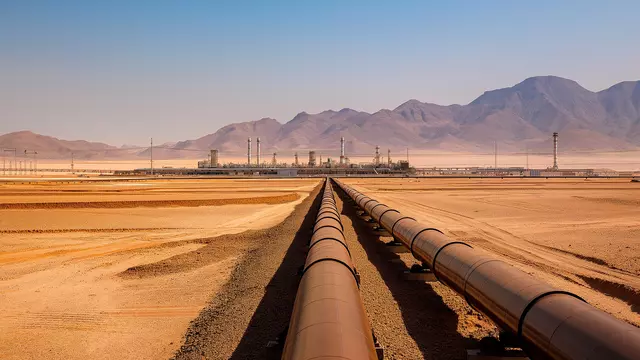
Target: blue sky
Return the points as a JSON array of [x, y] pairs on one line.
[[123, 71]]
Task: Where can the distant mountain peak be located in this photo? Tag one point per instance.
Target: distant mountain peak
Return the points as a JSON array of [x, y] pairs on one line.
[[527, 112]]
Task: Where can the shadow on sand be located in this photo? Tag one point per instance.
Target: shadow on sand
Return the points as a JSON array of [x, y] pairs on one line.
[[428, 320], [271, 318]]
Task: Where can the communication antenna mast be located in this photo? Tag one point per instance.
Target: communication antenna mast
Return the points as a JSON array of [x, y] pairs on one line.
[[496, 156]]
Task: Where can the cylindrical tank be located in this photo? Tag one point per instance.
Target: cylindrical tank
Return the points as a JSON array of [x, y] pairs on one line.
[[312, 158], [214, 158], [249, 152]]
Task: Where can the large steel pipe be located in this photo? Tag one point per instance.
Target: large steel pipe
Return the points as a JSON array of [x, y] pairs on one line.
[[328, 319], [550, 323]]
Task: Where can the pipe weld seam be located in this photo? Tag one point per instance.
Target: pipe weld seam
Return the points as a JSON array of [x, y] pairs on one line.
[[351, 270], [397, 221], [433, 264], [473, 268], [533, 302], [324, 226], [329, 217], [416, 236], [375, 206], [322, 211], [386, 211], [331, 238], [364, 206]]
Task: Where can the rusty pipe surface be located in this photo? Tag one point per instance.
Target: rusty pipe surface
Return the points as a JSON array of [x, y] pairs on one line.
[[328, 319], [550, 323]]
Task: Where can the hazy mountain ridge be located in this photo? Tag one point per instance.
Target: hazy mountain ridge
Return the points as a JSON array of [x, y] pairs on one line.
[[51, 147], [518, 117]]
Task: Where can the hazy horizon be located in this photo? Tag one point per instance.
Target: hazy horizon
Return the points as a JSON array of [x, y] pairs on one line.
[[122, 72]]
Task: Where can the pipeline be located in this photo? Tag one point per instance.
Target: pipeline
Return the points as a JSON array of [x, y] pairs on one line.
[[549, 323], [328, 318]]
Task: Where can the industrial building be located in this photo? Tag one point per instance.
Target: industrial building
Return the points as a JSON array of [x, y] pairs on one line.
[[314, 166]]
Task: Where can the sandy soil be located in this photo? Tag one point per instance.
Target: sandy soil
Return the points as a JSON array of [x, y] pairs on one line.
[[580, 235], [87, 282], [411, 319]]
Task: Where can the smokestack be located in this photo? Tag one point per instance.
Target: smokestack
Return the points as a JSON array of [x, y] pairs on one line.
[[342, 150], [249, 152], [555, 151], [389, 157], [376, 160], [258, 153]]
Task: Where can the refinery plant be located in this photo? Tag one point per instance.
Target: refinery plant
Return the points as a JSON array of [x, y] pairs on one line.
[[312, 164]]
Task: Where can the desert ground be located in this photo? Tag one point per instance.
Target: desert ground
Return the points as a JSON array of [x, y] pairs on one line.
[[71, 286], [206, 269], [581, 235]]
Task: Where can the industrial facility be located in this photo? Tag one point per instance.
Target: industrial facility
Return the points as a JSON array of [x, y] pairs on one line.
[[315, 166]]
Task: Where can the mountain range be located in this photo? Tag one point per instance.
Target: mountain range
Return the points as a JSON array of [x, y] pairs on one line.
[[517, 117]]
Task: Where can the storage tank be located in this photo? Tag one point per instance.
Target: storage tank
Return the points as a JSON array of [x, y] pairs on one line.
[[214, 158], [312, 158]]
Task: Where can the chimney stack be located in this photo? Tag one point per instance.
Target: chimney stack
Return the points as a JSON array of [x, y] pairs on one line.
[[249, 152], [555, 151], [342, 150], [258, 153]]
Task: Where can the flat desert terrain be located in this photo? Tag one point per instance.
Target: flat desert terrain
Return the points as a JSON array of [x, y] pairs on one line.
[[580, 235], [206, 269], [84, 270]]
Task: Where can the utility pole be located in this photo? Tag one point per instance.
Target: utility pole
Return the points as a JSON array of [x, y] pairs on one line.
[[4, 159], [496, 156], [151, 154], [35, 160]]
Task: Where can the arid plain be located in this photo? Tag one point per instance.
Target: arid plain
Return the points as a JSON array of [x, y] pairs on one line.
[[582, 235], [69, 255], [200, 268]]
